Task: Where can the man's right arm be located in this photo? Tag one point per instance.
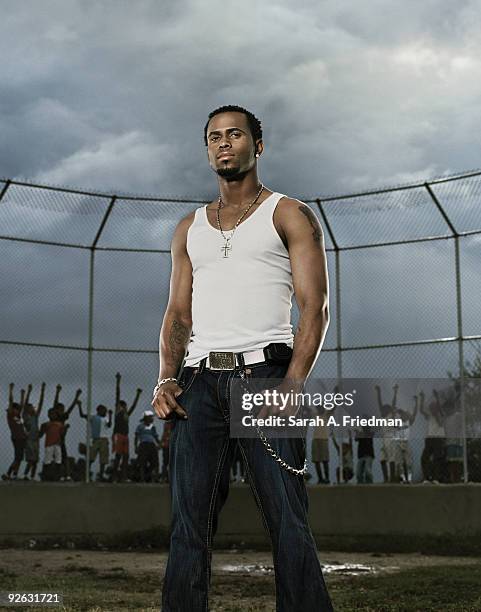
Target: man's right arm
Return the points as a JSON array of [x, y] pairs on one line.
[[177, 323]]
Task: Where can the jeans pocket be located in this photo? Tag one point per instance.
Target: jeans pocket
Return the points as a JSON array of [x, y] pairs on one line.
[[187, 378]]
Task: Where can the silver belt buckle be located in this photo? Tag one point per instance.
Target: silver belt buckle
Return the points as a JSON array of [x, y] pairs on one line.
[[219, 360]]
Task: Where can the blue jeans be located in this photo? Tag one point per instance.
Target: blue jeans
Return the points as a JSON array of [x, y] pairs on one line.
[[200, 457]]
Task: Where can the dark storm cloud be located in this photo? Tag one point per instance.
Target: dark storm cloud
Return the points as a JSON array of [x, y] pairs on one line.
[[114, 95]]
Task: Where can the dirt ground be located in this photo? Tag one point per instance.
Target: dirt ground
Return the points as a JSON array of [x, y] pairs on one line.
[[242, 581], [43, 562]]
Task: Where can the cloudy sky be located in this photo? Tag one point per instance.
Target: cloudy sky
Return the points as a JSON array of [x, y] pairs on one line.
[[113, 95]]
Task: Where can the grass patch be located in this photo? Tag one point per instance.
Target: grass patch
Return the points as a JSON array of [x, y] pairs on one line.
[[83, 569], [5, 573], [85, 590], [424, 589]]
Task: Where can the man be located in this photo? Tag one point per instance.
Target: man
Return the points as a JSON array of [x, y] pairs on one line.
[[120, 435], [17, 433], [453, 426], [388, 448], [63, 416], [53, 430], [31, 415], [365, 453], [432, 458], [147, 444], [344, 446], [401, 442], [235, 264], [99, 425]]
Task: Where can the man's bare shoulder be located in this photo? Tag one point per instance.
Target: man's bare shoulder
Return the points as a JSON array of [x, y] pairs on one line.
[[296, 218], [179, 237], [287, 204], [289, 210], [185, 222]]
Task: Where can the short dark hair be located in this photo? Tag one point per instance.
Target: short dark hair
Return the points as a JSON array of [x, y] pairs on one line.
[[254, 123]]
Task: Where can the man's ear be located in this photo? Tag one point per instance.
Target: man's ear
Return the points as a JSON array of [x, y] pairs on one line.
[[259, 147]]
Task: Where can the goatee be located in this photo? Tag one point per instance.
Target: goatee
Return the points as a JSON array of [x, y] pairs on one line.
[[228, 172]]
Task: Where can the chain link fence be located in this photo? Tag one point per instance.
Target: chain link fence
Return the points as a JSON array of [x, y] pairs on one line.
[[85, 280]]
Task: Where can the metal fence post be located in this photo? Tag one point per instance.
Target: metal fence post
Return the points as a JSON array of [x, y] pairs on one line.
[[461, 357], [459, 314], [337, 268], [90, 347], [4, 189], [89, 363]]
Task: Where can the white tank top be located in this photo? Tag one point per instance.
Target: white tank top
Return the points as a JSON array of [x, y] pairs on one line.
[[241, 302]]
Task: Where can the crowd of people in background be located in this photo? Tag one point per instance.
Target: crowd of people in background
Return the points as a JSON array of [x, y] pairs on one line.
[[107, 430], [441, 459]]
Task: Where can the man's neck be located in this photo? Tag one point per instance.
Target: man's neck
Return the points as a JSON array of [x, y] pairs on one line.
[[235, 193]]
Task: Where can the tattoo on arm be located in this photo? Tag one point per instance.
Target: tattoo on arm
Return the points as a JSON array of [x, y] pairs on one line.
[[311, 217], [179, 335]]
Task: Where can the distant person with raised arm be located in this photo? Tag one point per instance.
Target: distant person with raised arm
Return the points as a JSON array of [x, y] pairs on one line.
[[53, 430], [18, 435], [453, 425], [99, 425], [31, 415], [388, 447], [365, 453], [401, 441], [120, 434], [63, 416], [434, 444], [345, 445]]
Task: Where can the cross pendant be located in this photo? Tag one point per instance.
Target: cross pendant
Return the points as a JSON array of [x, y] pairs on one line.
[[226, 248]]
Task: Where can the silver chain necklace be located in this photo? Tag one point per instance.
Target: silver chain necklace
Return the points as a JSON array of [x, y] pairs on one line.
[[227, 246]]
